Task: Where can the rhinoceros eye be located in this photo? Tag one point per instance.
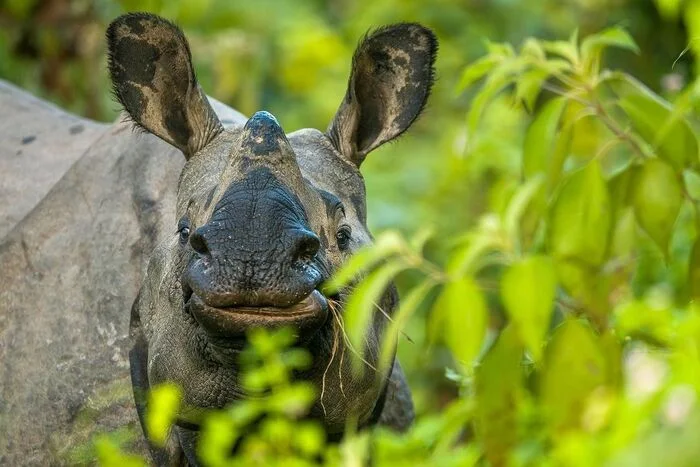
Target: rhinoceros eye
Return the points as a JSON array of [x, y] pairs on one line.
[[183, 229], [343, 237]]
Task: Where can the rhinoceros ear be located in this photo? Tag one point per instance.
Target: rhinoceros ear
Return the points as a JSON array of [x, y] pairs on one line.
[[153, 78], [392, 73]]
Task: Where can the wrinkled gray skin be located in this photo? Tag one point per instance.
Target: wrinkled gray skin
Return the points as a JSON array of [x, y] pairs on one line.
[[241, 232]]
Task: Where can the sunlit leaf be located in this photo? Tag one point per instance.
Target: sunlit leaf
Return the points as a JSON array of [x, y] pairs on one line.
[[109, 454], [593, 46], [460, 317], [532, 48], [217, 438], [528, 289], [540, 140], [669, 9], [639, 320], [418, 241], [620, 188], [163, 405], [466, 257], [497, 81], [611, 37], [407, 307], [477, 70], [364, 303], [574, 367], [309, 437], [502, 49], [586, 284], [498, 383], [624, 234], [657, 122], [563, 49], [386, 244], [517, 206], [529, 85], [580, 218], [691, 181], [657, 197], [293, 400], [694, 271]]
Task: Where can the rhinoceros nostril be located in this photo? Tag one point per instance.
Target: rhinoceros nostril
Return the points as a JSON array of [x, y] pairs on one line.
[[306, 245], [198, 242]]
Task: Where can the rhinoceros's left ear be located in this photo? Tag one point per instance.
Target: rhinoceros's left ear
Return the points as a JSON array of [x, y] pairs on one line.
[[153, 78], [392, 73]]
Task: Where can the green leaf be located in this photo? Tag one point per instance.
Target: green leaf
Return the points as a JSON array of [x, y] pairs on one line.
[[611, 37], [639, 320], [465, 258], [407, 307], [163, 405], [418, 241], [657, 197], [586, 284], [528, 289], [669, 9], [109, 454], [580, 217], [574, 367], [540, 139], [364, 302], [656, 121], [517, 207], [694, 271], [477, 70], [501, 49], [501, 77], [498, 386], [387, 244], [460, 317], [217, 437], [593, 46], [691, 181], [309, 437], [564, 49], [620, 188], [624, 235], [293, 400], [529, 85]]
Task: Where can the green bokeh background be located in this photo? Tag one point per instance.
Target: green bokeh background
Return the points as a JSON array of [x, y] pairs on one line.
[[292, 58]]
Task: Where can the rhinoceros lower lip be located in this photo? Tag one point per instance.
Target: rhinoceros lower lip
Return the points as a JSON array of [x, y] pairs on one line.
[[309, 313]]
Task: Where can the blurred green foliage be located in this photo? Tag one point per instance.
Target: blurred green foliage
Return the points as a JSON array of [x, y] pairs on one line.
[[551, 206]]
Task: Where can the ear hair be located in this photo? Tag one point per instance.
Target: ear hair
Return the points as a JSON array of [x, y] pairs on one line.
[[391, 78], [150, 66]]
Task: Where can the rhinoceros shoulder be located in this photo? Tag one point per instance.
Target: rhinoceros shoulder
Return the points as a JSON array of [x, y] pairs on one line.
[[39, 142]]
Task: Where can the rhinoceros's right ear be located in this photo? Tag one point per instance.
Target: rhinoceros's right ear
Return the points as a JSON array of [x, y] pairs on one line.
[[392, 73], [153, 78]]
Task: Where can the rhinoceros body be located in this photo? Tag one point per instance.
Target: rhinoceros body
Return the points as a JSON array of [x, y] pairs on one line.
[[82, 204], [97, 220]]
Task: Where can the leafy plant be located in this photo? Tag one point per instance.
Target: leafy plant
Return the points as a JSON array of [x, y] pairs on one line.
[[570, 309], [591, 261]]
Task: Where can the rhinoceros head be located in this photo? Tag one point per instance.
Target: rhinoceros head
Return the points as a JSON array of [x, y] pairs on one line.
[[263, 218]]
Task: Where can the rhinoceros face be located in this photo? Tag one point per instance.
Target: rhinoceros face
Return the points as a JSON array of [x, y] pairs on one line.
[[263, 218]]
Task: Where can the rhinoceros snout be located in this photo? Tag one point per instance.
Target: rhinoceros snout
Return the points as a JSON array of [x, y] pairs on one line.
[[256, 250]]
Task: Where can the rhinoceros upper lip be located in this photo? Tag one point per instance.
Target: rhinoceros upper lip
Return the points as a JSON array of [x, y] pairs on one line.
[[309, 313]]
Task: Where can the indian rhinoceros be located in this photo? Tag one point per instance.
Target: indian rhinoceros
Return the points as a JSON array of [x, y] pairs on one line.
[[112, 242]]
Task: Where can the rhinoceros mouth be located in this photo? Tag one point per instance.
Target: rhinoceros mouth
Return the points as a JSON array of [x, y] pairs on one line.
[[309, 314]]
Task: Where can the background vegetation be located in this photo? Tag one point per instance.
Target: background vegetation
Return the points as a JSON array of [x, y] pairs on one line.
[[544, 213]]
